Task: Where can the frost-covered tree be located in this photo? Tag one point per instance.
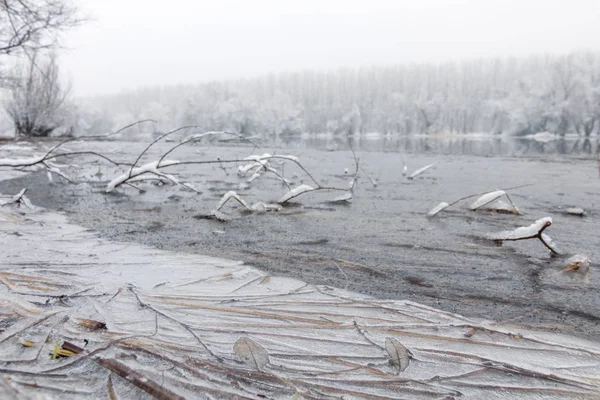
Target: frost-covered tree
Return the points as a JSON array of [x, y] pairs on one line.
[[37, 102], [522, 96]]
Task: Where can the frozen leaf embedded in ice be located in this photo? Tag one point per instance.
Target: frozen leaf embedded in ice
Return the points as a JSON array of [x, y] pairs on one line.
[[399, 356], [487, 199], [578, 262], [90, 324], [435, 210], [27, 343], [420, 171], [251, 353]]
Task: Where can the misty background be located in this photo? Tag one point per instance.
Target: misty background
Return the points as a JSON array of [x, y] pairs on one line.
[[389, 67]]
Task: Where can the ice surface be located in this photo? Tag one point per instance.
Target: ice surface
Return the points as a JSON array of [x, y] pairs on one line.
[[169, 322]]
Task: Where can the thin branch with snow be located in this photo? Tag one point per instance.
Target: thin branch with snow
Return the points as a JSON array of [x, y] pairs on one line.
[[533, 231]]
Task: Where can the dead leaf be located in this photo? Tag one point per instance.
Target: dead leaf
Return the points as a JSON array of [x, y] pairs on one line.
[[62, 353], [27, 343], [90, 324], [72, 347], [471, 332], [399, 356], [578, 262], [251, 353]]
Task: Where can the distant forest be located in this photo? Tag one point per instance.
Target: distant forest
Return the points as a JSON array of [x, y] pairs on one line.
[[517, 96]]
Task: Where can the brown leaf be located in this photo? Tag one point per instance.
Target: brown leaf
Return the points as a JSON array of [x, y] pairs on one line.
[[399, 356], [72, 347], [251, 353], [90, 324], [578, 262]]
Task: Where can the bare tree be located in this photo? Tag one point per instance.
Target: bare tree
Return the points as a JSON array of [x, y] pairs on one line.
[[37, 102], [30, 25]]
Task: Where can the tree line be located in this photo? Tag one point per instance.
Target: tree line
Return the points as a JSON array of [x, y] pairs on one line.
[[519, 96]]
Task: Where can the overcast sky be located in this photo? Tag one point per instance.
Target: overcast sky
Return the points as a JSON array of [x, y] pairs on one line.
[[132, 43]]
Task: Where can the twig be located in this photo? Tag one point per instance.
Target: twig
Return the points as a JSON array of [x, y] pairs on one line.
[[96, 136], [164, 135], [364, 335], [184, 325], [490, 191], [152, 388]]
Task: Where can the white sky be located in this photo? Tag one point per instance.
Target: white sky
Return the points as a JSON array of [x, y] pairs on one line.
[[132, 43]]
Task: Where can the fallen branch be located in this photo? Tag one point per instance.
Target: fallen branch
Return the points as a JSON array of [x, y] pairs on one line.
[[18, 200], [44, 160], [533, 231], [420, 171], [482, 201]]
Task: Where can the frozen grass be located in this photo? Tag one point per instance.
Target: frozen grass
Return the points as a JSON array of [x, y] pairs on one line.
[[141, 321]]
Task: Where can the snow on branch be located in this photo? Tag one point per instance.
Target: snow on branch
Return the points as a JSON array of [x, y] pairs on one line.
[[44, 161], [232, 195], [483, 200], [533, 231], [154, 166], [297, 191], [18, 200], [420, 171], [150, 168]]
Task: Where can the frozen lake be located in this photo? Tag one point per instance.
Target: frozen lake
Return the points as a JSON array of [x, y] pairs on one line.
[[382, 244]]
